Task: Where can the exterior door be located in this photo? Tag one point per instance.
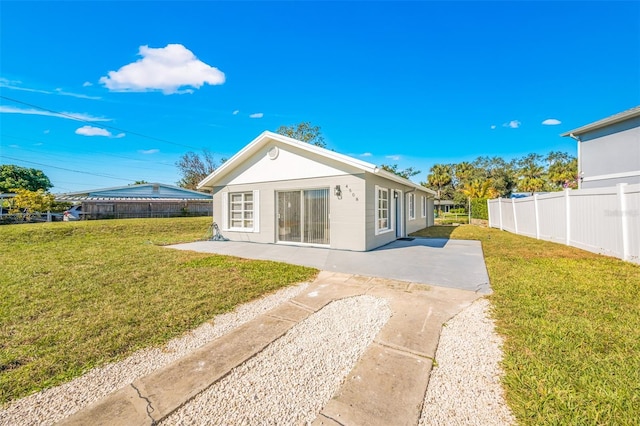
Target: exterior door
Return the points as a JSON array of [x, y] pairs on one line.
[[303, 216], [399, 214]]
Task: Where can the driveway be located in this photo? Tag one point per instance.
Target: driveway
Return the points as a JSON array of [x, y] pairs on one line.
[[440, 262]]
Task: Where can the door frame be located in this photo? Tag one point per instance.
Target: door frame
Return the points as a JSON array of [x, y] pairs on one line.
[[302, 225], [398, 210]]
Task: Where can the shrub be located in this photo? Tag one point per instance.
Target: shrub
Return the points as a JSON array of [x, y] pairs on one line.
[[479, 209]]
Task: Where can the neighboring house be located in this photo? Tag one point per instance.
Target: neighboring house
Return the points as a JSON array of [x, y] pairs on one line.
[[280, 190], [139, 201], [609, 150], [444, 205]]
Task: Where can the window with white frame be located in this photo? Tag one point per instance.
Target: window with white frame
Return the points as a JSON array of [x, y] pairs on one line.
[[241, 210], [383, 210], [424, 206], [412, 206]]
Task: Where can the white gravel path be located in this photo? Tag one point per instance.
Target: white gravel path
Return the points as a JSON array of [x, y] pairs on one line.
[[464, 388], [53, 404], [292, 379]]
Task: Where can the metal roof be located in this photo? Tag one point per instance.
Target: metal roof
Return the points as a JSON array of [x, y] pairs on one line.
[[616, 118], [151, 191], [69, 197]]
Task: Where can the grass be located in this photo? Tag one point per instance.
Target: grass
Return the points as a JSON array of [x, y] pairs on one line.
[[571, 322], [77, 295], [452, 218]]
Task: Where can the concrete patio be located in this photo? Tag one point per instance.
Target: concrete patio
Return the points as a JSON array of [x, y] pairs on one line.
[[440, 262]]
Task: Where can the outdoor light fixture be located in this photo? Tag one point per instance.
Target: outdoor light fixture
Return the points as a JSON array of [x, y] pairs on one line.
[[337, 191]]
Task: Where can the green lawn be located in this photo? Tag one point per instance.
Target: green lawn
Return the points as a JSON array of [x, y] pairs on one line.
[[76, 295], [571, 322]]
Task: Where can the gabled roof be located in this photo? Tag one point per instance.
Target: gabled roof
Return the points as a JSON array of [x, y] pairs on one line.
[[265, 137], [616, 118], [144, 191]]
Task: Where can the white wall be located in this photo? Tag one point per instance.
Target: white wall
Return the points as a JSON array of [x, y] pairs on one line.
[[600, 220]]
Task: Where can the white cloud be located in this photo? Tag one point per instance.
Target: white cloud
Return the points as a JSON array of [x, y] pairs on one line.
[[149, 151], [393, 157], [493, 126], [166, 69], [551, 122], [93, 131], [68, 115], [256, 115], [119, 135], [87, 84], [513, 124], [236, 112], [76, 95], [46, 132], [366, 154]]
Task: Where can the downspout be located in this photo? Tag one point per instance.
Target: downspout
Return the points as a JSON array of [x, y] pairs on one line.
[[580, 172]]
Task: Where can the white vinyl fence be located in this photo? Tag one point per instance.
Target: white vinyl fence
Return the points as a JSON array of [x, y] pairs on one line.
[[600, 220]]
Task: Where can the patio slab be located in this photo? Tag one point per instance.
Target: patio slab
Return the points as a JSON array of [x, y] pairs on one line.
[[434, 261]]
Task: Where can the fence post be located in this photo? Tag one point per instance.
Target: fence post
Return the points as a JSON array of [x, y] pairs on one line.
[[515, 218], [537, 214], [567, 205], [489, 213], [500, 211], [624, 225]]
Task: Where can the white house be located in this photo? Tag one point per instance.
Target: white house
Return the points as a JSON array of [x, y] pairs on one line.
[[281, 190], [609, 150]]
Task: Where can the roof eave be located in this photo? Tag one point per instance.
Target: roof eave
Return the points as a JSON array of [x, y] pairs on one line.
[[614, 119], [258, 142]]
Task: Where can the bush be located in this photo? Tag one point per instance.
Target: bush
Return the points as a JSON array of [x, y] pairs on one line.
[[460, 210], [479, 209]]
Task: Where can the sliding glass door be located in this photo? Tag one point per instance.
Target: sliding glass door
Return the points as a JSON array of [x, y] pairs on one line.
[[303, 216]]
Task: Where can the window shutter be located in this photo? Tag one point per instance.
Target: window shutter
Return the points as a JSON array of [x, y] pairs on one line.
[[224, 214], [256, 211]]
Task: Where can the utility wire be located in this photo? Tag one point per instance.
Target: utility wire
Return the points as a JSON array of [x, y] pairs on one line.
[[100, 153], [92, 122], [68, 170]]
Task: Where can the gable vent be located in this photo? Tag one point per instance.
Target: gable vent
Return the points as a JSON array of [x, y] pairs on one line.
[[273, 152]]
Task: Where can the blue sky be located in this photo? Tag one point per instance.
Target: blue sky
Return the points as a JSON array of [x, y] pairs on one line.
[[412, 83]]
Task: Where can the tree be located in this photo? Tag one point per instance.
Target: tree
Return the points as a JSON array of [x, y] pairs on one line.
[[139, 182], [479, 188], [439, 176], [14, 177], [531, 173], [194, 168], [304, 132], [562, 171], [406, 173], [31, 202]]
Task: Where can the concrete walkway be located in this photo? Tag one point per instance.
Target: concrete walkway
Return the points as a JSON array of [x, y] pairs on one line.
[[439, 262], [387, 386]]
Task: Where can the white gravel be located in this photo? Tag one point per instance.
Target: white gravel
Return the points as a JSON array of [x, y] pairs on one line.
[[464, 388], [293, 378], [51, 405]]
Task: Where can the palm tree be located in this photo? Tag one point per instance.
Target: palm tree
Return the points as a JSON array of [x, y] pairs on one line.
[[530, 173], [439, 177]]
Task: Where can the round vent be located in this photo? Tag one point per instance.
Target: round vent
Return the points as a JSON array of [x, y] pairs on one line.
[[273, 152]]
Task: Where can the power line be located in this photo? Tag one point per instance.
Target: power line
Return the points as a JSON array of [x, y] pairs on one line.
[[68, 170], [91, 122], [97, 152]]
